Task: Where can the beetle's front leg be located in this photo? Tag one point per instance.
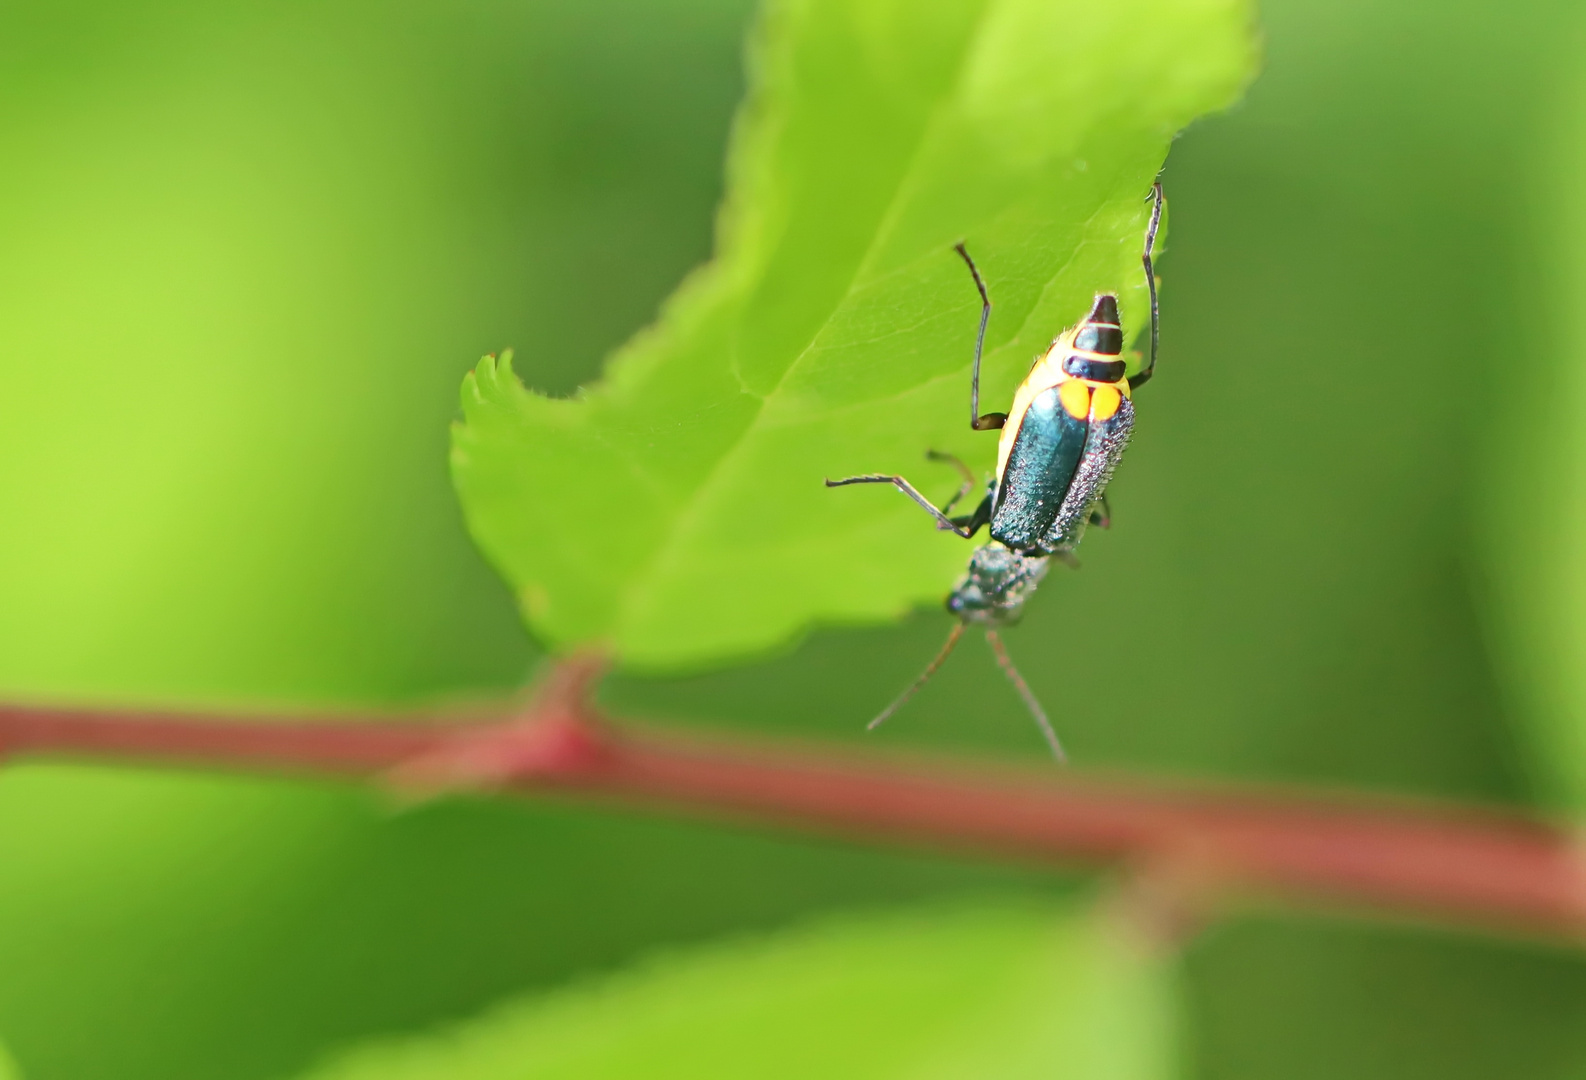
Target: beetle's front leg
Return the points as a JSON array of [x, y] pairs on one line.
[[942, 520], [970, 524]]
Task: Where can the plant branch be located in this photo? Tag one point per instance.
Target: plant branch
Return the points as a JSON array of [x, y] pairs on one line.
[[1475, 867]]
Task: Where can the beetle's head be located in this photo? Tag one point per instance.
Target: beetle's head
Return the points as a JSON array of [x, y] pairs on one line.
[[998, 582]]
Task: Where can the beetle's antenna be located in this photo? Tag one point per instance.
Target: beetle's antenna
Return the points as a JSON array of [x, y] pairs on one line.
[[930, 669], [1006, 663]]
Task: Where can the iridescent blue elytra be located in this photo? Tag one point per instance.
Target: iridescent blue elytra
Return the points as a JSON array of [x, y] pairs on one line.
[[1062, 438]]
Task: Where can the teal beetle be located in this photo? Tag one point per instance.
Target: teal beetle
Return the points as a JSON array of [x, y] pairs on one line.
[[1061, 440]]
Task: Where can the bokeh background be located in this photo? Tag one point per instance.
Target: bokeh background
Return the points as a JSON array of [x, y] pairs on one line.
[[247, 252]]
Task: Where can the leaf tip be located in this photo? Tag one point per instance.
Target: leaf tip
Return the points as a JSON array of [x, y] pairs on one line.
[[488, 380]]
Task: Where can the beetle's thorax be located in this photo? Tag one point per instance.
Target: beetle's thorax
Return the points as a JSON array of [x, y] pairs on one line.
[[996, 585], [1088, 356]]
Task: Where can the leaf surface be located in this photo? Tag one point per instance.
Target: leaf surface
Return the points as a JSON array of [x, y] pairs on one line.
[[674, 512], [988, 993], [1534, 514]]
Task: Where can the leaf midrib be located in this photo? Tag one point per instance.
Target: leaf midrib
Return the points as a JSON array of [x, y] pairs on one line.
[[642, 588]]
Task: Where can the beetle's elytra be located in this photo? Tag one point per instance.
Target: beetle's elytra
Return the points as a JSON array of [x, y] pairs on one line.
[[1061, 439]]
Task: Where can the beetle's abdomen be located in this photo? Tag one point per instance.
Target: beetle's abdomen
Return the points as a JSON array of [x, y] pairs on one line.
[[1097, 344], [1035, 481]]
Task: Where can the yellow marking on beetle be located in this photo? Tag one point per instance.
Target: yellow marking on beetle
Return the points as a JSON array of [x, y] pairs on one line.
[[1075, 396], [1045, 373], [1104, 402], [1010, 426]]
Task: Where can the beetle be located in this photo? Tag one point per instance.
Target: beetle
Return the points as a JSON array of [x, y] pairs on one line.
[[1061, 439]]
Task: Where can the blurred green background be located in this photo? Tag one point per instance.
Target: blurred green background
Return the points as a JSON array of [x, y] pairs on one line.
[[247, 252]]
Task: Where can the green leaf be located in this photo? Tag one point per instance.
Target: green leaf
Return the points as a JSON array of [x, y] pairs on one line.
[[986, 993], [674, 512], [1534, 516]]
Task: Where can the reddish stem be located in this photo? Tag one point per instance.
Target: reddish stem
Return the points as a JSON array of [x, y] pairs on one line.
[[1476, 867]]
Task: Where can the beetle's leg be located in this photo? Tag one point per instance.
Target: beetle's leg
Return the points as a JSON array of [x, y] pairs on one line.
[[982, 514], [1101, 518], [1005, 662], [963, 470], [942, 520], [1150, 283], [969, 524], [991, 421]]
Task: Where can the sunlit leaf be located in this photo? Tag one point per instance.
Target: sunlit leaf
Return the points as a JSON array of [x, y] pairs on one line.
[[674, 512], [1535, 515], [985, 994]]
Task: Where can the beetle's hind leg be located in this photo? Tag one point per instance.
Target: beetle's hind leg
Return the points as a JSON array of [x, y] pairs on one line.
[[990, 421], [1144, 375], [1101, 513]]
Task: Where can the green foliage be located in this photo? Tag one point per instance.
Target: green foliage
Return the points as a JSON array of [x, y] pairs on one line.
[[674, 512], [1535, 513], [243, 250], [994, 993]]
